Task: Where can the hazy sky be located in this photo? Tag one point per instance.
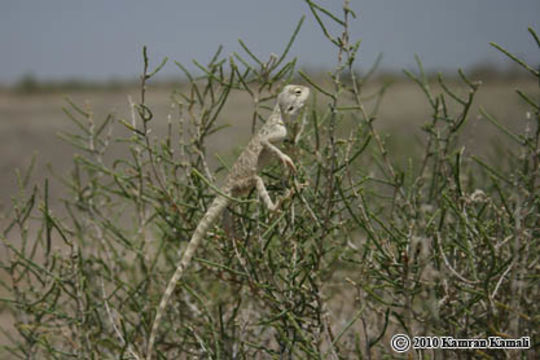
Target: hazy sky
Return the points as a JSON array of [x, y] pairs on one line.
[[100, 39]]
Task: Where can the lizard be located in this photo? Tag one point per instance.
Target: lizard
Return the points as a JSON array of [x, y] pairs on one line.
[[241, 179]]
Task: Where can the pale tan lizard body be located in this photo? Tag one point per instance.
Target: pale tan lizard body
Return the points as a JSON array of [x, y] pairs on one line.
[[241, 179]]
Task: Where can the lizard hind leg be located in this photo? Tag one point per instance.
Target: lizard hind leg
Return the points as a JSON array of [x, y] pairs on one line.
[[263, 194]]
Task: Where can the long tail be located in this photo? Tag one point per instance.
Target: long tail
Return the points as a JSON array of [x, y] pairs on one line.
[[216, 208]]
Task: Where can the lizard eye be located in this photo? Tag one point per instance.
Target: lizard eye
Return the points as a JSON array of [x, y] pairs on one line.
[[298, 91], [290, 108]]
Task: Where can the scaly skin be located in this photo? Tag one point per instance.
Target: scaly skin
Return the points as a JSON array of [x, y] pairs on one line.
[[241, 179]]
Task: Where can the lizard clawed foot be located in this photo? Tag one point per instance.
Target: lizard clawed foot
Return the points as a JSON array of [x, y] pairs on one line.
[[287, 196], [289, 163], [300, 186], [277, 210]]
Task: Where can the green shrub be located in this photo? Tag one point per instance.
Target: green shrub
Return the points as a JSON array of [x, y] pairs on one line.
[[446, 245]]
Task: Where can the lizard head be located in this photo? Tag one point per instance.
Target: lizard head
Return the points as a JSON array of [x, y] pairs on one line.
[[291, 100]]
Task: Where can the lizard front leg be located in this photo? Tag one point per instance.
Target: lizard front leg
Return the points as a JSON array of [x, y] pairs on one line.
[[263, 194], [286, 160]]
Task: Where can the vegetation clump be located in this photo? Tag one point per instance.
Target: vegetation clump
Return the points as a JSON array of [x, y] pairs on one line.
[[443, 244]]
